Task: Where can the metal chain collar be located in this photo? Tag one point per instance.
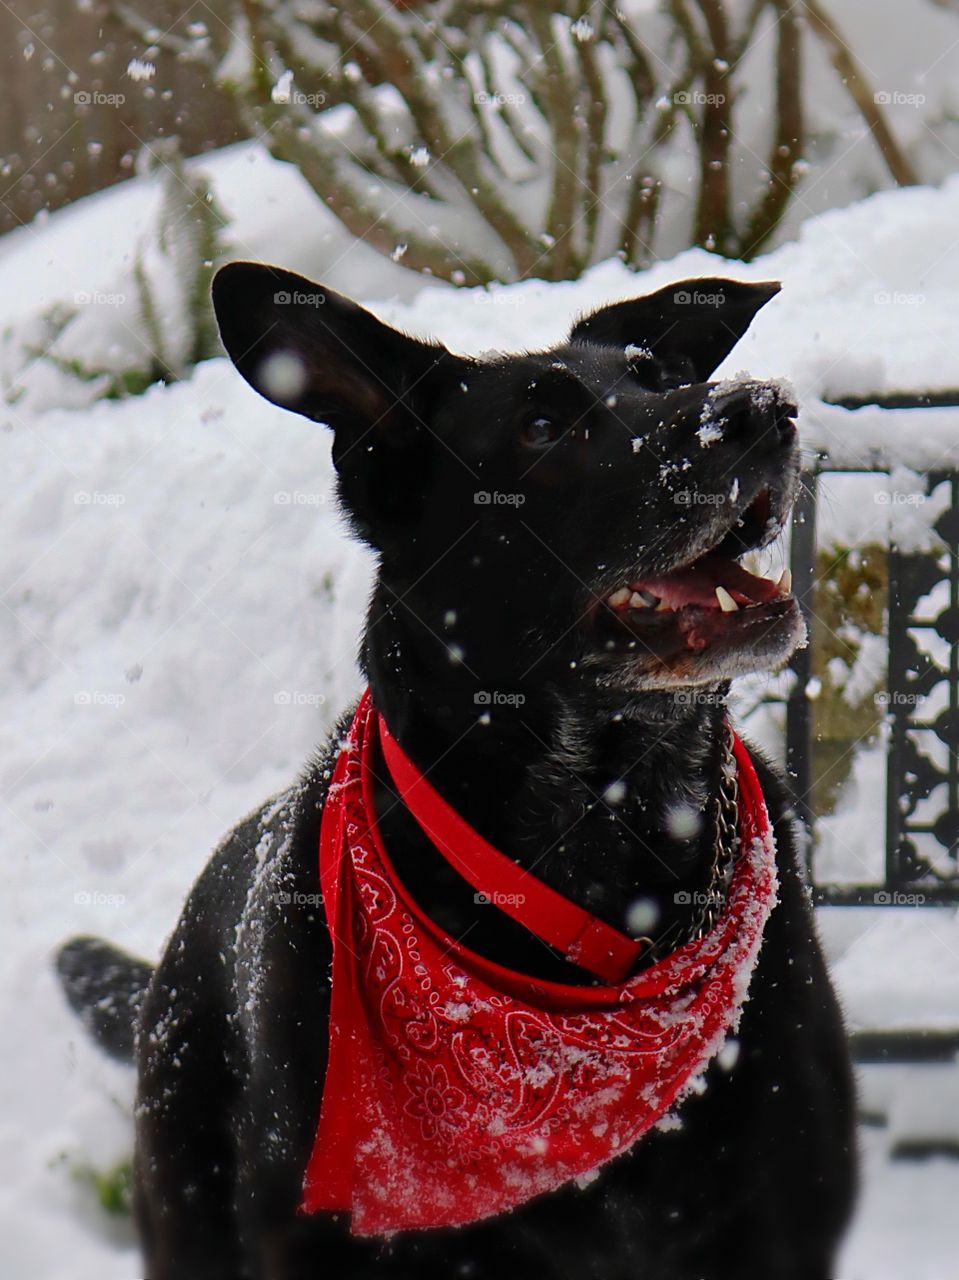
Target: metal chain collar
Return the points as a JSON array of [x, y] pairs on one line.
[[725, 846], [725, 839]]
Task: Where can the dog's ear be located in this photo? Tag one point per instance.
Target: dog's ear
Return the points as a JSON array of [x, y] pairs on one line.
[[689, 327], [313, 351]]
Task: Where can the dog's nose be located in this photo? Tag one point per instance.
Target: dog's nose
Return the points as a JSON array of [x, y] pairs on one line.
[[751, 409]]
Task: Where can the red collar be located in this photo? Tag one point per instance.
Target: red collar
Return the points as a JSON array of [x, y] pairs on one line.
[[584, 939], [455, 1088]]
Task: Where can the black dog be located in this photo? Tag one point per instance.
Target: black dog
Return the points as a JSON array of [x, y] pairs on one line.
[[510, 501]]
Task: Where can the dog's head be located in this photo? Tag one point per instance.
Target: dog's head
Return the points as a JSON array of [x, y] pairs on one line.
[[568, 515]]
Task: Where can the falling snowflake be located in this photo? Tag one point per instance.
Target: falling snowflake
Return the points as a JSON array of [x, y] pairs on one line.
[[282, 376], [282, 91], [137, 69], [683, 822]]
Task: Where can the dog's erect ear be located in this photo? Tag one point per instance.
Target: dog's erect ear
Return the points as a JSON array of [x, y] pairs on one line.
[[691, 325], [314, 351]]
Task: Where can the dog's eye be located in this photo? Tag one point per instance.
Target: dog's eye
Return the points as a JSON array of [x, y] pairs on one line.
[[540, 432]]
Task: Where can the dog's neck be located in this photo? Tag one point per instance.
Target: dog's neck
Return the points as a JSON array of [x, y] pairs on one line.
[[607, 796]]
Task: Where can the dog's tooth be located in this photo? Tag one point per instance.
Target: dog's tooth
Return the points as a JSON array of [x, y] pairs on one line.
[[786, 582], [619, 597], [663, 607], [645, 600], [726, 602]]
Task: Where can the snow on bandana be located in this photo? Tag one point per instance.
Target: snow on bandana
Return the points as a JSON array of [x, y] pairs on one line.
[[457, 1089]]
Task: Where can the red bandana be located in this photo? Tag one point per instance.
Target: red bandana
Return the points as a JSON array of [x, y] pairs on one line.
[[456, 1088]]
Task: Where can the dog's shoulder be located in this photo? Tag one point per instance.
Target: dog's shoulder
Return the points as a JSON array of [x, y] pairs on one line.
[[281, 926], [224, 884]]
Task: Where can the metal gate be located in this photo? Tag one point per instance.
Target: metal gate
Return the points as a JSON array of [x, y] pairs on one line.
[[921, 848]]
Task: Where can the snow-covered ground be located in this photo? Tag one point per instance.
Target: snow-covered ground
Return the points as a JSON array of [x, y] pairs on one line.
[[180, 615]]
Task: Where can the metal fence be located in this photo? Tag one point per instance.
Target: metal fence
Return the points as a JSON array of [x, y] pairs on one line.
[[922, 764]]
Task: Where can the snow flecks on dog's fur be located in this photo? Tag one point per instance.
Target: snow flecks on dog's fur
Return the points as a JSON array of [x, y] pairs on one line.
[[274, 879], [763, 396]]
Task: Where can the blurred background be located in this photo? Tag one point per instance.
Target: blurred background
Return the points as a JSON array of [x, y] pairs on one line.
[[180, 603]]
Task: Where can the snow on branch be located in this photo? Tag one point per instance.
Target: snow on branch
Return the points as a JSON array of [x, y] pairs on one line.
[[501, 139]]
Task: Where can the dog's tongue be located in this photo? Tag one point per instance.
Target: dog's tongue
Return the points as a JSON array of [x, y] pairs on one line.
[[697, 584]]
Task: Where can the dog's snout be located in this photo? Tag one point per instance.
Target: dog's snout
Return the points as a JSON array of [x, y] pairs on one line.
[[753, 409], [784, 411]]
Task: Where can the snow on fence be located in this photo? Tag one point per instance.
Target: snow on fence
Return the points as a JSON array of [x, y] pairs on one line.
[[920, 699]]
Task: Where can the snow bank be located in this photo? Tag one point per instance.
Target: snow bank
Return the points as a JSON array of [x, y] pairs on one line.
[[182, 614], [89, 246], [901, 972], [870, 298]]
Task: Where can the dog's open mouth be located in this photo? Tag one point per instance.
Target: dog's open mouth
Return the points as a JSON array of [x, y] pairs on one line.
[[694, 604]]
